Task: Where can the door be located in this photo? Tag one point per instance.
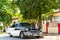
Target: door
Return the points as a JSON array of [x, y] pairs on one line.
[[16, 30]]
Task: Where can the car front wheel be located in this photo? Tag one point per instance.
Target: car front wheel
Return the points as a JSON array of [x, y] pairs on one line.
[[21, 35]]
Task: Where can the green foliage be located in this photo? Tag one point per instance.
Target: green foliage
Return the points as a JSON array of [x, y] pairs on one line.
[[30, 9], [5, 15], [8, 9], [33, 8]]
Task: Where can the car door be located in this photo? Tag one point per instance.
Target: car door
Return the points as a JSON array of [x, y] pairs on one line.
[[16, 30]]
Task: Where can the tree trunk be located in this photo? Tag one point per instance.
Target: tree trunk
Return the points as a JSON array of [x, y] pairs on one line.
[[40, 21], [43, 20], [51, 18]]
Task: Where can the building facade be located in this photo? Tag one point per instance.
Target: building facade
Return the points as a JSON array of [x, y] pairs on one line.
[[54, 26]]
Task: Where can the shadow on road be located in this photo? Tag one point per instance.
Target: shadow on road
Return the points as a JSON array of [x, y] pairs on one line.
[[28, 37], [17, 38]]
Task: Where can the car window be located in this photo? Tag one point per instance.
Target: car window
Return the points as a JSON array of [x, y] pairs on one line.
[[14, 25]]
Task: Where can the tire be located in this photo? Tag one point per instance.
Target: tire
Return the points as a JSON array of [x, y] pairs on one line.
[[10, 35], [21, 35]]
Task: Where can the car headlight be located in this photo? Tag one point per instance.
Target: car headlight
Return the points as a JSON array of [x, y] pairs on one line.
[[26, 30], [40, 30]]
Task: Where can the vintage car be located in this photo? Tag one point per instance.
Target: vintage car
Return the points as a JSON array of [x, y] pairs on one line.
[[23, 29]]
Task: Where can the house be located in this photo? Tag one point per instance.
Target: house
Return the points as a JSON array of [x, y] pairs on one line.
[[54, 26]]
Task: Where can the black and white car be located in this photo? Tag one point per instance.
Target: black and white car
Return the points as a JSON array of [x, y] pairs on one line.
[[23, 29]]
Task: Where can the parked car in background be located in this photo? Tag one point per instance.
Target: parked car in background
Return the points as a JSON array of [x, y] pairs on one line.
[[23, 29]]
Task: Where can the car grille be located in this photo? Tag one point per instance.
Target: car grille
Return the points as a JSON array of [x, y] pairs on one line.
[[34, 31]]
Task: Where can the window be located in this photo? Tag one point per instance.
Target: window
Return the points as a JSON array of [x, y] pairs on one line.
[[57, 19], [14, 25], [24, 24]]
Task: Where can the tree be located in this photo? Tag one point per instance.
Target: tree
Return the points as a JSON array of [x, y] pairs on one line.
[[5, 17], [33, 9], [7, 10]]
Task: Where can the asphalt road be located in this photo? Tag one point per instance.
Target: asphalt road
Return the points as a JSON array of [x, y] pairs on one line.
[[5, 36]]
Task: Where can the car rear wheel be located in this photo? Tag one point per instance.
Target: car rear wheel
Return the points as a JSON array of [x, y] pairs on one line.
[[21, 35], [11, 35]]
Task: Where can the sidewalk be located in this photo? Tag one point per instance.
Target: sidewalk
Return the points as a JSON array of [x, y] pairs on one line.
[[3, 34], [52, 36]]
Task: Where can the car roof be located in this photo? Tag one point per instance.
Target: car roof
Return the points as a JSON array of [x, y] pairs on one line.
[[21, 22]]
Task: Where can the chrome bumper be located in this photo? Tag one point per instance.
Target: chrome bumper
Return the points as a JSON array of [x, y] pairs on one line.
[[33, 34]]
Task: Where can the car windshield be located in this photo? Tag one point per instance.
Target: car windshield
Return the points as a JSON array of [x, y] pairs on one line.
[[24, 24], [33, 28]]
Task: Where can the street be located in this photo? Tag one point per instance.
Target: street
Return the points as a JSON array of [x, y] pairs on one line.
[[5, 36]]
